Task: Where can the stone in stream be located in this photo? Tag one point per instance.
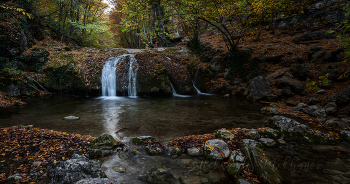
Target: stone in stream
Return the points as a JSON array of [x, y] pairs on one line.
[[154, 150], [176, 151], [253, 134], [294, 130], [269, 111], [123, 156], [160, 176], [141, 139], [260, 163], [236, 157], [97, 181], [119, 169], [194, 152], [268, 142], [71, 118], [216, 149], [272, 133], [224, 134], [104, 141], [234, 169], [219, 177]]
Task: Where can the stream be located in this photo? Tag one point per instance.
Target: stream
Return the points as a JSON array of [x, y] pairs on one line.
[[170, 117]]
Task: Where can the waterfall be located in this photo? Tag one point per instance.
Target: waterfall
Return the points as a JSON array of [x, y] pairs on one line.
[[195, 80], [110, 72], [173, 89], [132, 78]]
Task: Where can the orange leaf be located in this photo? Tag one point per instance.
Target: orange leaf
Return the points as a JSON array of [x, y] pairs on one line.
[[222, 154], [217, 148]]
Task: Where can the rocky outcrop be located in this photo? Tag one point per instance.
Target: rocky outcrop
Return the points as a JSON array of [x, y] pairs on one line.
[[258, 88], [313, 36], [71, 171]]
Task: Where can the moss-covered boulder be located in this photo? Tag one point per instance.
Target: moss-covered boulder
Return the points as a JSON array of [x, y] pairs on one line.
[[141, 139], [104, 141], [261, 164]]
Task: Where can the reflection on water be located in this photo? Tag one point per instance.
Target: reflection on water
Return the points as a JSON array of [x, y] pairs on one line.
[[162, 118]]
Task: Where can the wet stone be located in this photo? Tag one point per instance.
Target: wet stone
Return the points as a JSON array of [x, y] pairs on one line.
[[236, 157], [176, 151], [123, 156], [194, 152], [154, 150], [216, 149], [268, 142], [224, 134], [119, 169], [135, 152], [253, 134], [234, 169], [97, 181]]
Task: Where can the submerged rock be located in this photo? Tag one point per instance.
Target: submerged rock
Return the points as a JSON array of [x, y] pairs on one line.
[[119, 169], [219, 177], [216, 149], [154, 150], [71, 118], [160, 176], [97, 181], [190, 180]]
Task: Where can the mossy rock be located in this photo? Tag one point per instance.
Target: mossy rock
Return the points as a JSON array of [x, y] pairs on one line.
[[142, 139], [104, 141]]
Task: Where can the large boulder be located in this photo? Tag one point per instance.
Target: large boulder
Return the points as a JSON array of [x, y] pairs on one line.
[[287, 125], [260, 162], [71, 171], [216, 149], [258, 88]]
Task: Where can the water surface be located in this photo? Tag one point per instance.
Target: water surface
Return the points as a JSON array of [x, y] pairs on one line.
[[123, 117]]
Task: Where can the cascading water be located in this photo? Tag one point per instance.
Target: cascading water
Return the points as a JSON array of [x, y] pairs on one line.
[[110, 73], [195, 80], [132, 78], [173, 89]]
